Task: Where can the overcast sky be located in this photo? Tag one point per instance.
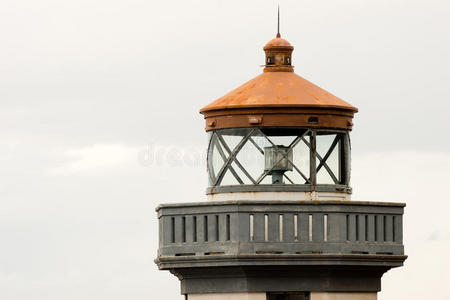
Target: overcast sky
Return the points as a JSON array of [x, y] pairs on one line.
[[89, 88]]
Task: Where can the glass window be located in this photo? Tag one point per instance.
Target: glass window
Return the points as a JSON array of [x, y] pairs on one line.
[[252, 156], [327, 158]]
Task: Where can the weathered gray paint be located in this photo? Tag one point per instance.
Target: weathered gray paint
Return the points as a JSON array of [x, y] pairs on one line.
[[279, 188], [278, 279], [297, 259]]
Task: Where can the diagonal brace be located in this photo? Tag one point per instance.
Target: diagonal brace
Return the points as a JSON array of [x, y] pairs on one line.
[[222, 141], [284, 157], [231, 158]]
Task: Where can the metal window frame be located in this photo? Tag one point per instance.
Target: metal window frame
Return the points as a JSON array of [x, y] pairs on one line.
[[341, 143]]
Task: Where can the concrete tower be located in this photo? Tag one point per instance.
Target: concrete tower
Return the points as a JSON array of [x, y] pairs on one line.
[[278, 223]]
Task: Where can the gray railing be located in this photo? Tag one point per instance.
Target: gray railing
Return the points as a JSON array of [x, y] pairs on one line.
[[280, 227]]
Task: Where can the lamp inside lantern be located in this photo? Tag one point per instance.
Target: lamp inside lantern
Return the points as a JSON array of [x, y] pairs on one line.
[[277, 162]]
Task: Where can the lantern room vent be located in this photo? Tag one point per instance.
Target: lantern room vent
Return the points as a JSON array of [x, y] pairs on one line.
[[313, 120]]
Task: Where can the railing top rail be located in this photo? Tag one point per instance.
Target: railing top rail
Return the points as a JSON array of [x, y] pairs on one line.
[[278, 202]]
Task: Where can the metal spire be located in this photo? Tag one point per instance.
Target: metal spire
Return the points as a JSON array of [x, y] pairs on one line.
[[278, 27]]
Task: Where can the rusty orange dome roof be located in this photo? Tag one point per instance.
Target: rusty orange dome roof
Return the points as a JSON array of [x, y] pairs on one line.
[[278, 97], [278, 89], [278, 42]]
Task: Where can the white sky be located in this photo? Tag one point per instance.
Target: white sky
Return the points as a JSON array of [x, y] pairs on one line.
[[86, 86]]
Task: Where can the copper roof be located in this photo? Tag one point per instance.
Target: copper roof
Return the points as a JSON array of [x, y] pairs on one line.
[[278, 42], [278, 89], [279, 98]]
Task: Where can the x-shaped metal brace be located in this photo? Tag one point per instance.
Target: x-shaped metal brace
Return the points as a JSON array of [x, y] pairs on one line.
[[284, 156], [219, 142], [231, 158]]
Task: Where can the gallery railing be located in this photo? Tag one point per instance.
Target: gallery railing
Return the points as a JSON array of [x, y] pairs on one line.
[[280, 228]]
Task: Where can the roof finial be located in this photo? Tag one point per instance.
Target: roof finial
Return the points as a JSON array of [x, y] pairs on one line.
[[278, 27]]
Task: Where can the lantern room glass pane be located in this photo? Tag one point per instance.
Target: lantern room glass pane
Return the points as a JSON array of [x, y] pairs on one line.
[[301, 161], [240, 173], [231, 140], [229, 178], [274, 156], [251, 157], [324, 143], [215, 159]]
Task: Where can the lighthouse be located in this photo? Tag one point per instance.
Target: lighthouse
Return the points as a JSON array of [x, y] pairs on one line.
[[278, 221]]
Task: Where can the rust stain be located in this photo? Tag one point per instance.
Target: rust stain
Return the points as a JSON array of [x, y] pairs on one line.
[[278, 89], [278, 97], [278, 42]]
